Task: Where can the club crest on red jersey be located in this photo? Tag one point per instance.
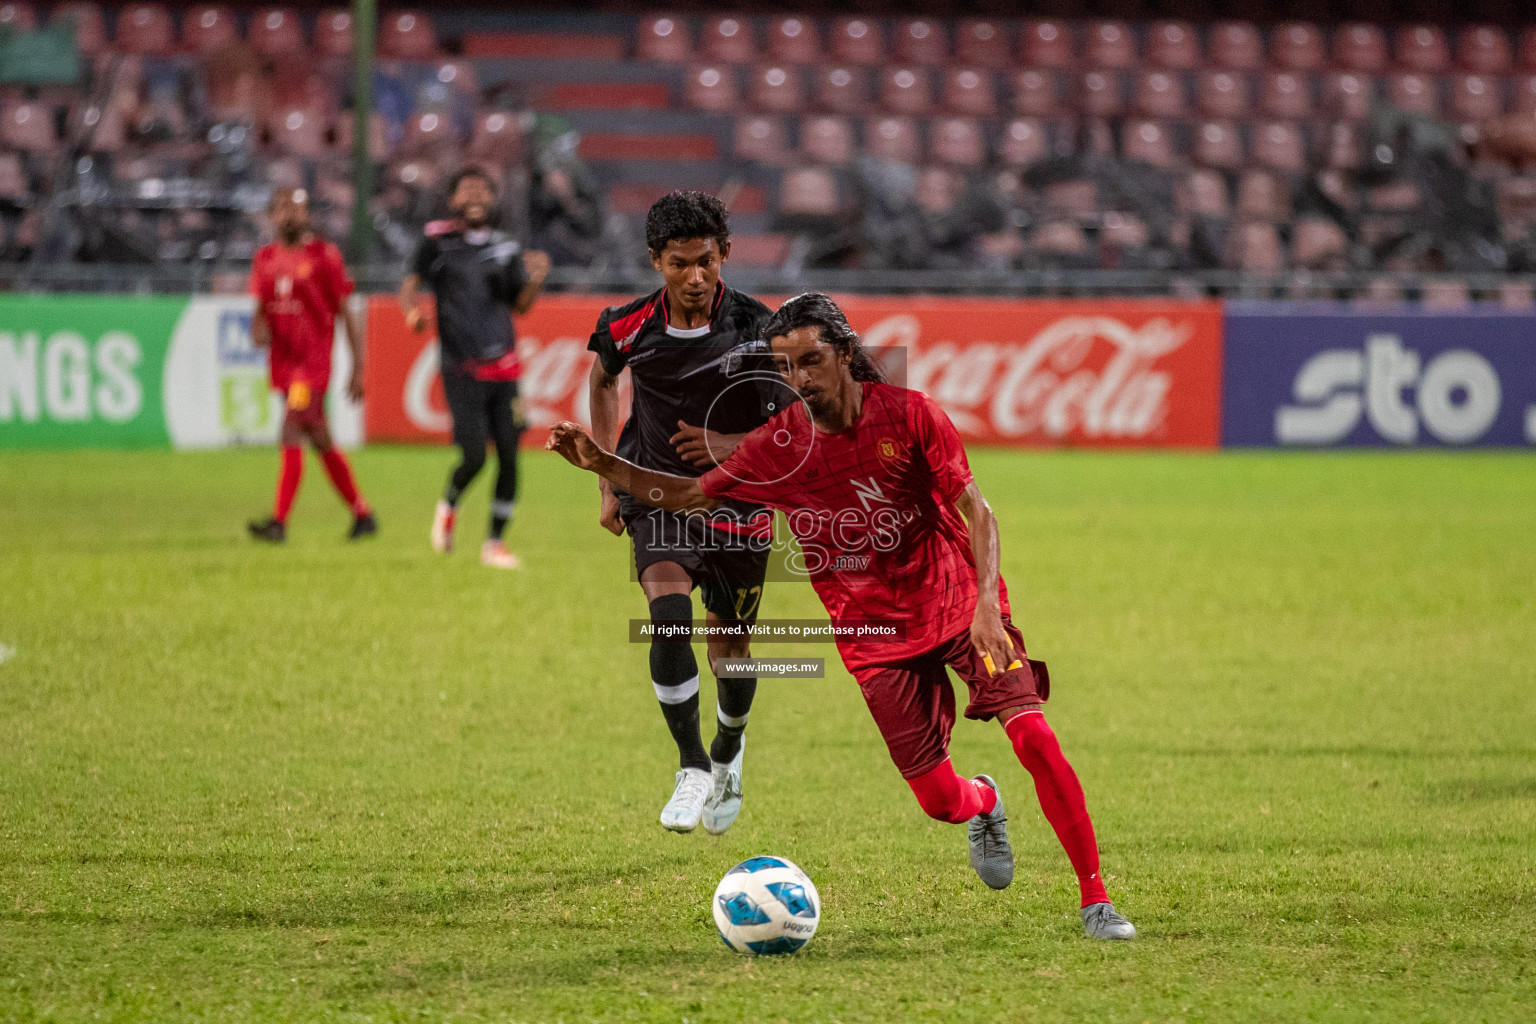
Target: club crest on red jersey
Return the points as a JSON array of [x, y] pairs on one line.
[[886, 447]]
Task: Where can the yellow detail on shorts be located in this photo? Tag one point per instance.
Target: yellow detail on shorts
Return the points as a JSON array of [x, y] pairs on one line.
[[986, 659], [298, 396]]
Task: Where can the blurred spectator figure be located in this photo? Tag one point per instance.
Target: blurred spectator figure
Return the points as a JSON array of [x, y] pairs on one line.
[[565, 209]]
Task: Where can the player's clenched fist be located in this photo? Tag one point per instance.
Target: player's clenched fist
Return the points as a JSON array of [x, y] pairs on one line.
[[575, 445]]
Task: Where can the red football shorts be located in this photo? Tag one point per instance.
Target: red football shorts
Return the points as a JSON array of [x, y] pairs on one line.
[[913, 702], [305, 405]]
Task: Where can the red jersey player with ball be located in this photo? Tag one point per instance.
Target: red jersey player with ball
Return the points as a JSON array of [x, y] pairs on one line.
[[300, 285], [876, 487]]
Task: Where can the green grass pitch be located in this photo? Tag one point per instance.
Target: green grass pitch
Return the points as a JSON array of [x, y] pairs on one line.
[[365, 783]]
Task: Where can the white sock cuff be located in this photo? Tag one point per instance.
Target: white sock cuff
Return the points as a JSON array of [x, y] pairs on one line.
[[729, 721], [504, 509], [676, 694]]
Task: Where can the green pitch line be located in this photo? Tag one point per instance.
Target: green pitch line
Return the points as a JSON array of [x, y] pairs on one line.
[[333, 782]]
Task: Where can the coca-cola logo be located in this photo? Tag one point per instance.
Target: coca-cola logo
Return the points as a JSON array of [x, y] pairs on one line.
[[1089, 376]]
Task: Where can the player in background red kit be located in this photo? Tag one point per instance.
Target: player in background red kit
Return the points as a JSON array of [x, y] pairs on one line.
[[875, 485], [300, 285]]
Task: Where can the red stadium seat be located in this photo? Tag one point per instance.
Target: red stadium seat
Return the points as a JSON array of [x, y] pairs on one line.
[[18, 17], [90, 26], [1484, 50], [1524, 100], [921, 41], [777, 88], [969, 92], [1174, 45], [1298, 46], [1110, 44], [378, 135], [794, 41], [1279, 146], [1046, 44], [497, 138], [905, 91], [1475, 97], [1261, 196], [957, 141], [145, 29], [712, 88], [827, 140], [764, 139], [1422, 48], [13, 179], [892, 138], [1148, 142], [1036, 93], [729, 38], [1159, 94], [1236, 46], [333, 33], [1221, 94], [298, 131], [1098, 94], [1413, 93], [407, 35], [1254, 247], [1343, 146], [1283, 94], [1319, 244], [207, 29], [1024, 142], [982, 43], [808, 192], [276, 31], [770, 250], [428, 132], [1360, 47], [1203, 193], [1349, 95], [664, 37], [1525, 51], [1443, 294], [28, 127], [858, 41], [842, 90], [1217, 144], [106, 127]]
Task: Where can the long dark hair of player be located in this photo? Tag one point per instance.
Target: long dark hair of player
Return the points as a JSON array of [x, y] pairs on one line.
[[813, 309]]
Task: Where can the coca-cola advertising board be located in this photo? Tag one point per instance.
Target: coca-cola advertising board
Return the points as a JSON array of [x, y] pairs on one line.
[[1092, 373]]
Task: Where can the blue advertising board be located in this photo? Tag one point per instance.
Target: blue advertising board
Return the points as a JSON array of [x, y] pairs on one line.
[[1321, 375]]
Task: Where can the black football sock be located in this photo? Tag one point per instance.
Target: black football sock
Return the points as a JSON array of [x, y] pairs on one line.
[[675, 676], [501, 514], [733, 705]]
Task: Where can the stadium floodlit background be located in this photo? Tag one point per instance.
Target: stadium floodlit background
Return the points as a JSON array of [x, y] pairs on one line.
[[1222, 296]]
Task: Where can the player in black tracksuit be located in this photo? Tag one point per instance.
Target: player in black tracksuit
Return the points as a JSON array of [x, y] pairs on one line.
[[696, 392], [477, 274]]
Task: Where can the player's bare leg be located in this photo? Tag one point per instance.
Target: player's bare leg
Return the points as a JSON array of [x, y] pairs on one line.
[[733, 705], [675, 678], [1062, 802]]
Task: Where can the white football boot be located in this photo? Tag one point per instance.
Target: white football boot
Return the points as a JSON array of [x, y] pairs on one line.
[[724, 801], [494, 553], [442, 527], [1102, 921], [682, 811]]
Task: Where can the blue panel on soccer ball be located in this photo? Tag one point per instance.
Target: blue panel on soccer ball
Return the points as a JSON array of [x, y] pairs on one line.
[[741, 910], [758, 864], [724, 939], [794, 898], [771, 947]]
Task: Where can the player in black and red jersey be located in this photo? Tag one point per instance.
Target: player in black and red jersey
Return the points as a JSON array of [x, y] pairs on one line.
[[876, 487], [678, 344]]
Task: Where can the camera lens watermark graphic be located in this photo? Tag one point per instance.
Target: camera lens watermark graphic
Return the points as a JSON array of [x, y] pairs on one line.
[[768, 391]]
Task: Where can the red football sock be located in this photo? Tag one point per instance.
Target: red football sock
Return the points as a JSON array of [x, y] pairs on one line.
[[340, 472], [288, 482], [1061, 798], [945, 795]]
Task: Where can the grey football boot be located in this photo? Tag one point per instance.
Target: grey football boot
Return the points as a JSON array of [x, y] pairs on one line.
[[1102, 921], [991, 855]]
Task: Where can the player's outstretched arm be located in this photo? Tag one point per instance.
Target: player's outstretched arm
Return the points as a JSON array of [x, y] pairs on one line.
[[663, 490], [703, 448], [603, 400], [987, 633]]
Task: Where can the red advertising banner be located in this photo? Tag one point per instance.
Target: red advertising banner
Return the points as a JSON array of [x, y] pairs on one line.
[[1139, 373]]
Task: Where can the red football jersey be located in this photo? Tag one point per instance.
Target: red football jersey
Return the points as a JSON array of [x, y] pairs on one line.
[[301, 290], [874, 510]]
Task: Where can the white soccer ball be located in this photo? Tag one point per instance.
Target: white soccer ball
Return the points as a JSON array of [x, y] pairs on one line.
[[765, 906]]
